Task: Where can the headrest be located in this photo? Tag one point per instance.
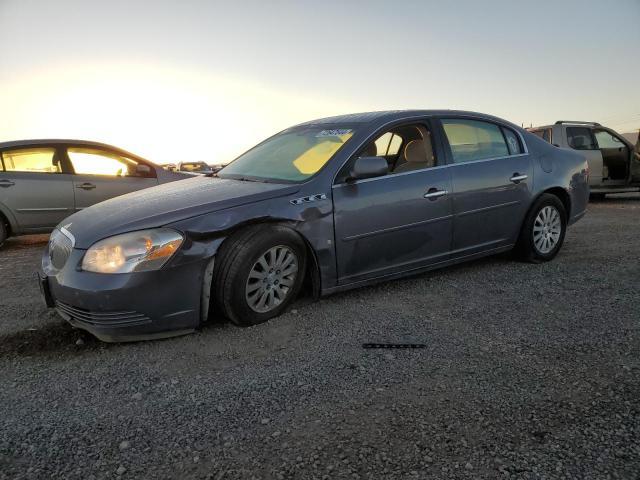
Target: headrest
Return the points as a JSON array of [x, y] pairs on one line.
[[370, 150], [414, 152], [578, 141]]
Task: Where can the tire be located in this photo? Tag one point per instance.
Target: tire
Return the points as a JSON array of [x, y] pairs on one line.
[[3, 231], [543, 230], [598, 197], [238, 296]]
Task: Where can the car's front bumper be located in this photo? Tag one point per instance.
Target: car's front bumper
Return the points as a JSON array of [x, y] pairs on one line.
[[131, 306]]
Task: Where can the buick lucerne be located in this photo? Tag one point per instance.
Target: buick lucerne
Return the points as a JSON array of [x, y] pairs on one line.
[[329, 204]]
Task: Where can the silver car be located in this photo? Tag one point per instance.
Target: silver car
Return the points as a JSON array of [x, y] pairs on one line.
[[614, 164], [44, 181]]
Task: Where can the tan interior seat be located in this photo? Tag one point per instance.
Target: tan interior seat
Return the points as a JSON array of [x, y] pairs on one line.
[[418, 154]]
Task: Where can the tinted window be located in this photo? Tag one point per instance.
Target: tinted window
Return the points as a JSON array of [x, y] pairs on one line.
[[513, 142], [35, 160], [474, 140], [580, 138], [606, 140]]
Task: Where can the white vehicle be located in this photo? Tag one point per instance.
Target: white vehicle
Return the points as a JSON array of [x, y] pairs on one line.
[[614, 163]]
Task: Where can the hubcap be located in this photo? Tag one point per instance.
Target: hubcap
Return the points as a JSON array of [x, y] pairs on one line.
[[271, 279], [546, 229]]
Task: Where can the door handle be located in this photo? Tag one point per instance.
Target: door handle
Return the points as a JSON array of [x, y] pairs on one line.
[[517, 178], [86, 186], [434, 193], [6, 183]]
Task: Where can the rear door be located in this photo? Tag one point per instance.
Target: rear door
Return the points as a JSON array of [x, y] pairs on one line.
[[100, 174], [35, 187], [491, 174]]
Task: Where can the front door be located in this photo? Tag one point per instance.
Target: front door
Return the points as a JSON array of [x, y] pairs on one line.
[[386, 225], [35, 188], [400, 221], [491, 176], [616, 155], [101, 174], [581, 138]]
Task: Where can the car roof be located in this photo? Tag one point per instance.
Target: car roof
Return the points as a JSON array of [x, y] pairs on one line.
[[397, 115], [62, 141]]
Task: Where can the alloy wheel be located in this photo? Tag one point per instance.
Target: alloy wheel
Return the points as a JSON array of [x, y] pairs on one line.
[[271, 279], [547, 228]]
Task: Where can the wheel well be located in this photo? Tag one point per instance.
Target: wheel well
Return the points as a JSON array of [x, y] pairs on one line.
[[312, 281], [564, 197]]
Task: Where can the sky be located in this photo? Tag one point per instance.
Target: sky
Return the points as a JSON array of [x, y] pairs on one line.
[[206, 80]]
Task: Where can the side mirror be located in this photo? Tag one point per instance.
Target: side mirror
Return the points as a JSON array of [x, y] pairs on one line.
[[368, 167], [143, 170]]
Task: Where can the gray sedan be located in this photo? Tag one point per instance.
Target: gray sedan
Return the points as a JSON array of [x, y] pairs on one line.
[[329, 205], [44, 181]]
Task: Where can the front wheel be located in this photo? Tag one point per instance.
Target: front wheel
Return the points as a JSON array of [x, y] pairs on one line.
[[260, 273], [543, 230]]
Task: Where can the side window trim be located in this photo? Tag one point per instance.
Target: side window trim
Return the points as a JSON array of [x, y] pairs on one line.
[[396, 175]]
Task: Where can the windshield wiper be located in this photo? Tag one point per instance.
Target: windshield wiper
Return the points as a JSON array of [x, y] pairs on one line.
[[247, 179]]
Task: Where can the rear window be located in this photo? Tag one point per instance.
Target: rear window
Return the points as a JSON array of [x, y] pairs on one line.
[[513, 142], [580, 138]]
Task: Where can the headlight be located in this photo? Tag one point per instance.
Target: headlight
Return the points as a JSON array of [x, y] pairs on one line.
[[132, 252]]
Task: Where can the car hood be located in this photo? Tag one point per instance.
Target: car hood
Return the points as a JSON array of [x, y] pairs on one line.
[[165, 204]]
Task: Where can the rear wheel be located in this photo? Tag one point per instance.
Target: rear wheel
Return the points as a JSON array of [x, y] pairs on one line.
[[260, 273], [598, 197], [543, 230]]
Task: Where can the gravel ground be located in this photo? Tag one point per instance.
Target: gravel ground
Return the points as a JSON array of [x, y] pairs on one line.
[[529, 371]]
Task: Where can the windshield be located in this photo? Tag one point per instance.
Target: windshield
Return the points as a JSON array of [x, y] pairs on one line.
[[290, 156], [195, 167]]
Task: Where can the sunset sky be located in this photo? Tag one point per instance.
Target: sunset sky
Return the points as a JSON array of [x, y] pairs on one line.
[[205, 80]]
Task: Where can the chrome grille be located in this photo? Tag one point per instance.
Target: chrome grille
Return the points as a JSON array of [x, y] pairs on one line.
[[60, 248]]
